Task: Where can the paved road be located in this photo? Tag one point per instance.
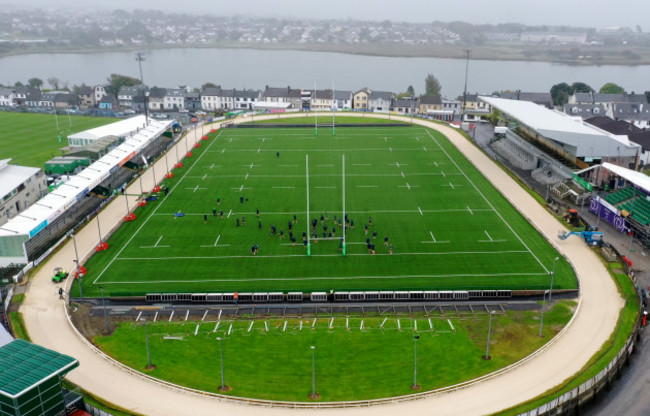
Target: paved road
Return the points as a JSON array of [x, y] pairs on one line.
[[594, 321]]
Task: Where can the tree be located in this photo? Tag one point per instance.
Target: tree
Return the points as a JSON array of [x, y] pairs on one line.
[[432, 85], [117, 81], [611, 88], [581, 87], [35, 83], [560, 93], [494, 116], [54, 82], [208, 85], [410, 91]]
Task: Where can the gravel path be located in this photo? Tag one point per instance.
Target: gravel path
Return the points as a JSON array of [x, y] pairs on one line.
[[600, 303]]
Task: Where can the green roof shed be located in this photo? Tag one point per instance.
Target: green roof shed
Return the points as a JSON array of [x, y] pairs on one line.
[[30, 379]]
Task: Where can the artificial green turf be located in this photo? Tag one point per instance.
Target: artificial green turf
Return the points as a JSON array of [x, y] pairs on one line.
[[449, 227], [350, 364], [32, 139]]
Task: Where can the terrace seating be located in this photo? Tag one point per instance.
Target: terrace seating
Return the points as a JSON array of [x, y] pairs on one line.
[[515, 154]]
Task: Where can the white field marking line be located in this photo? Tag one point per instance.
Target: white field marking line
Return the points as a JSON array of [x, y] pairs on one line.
[[204, 176], [361, 164], [204, 315], [391, 149], [451, 325], [137, 319], [215, 243], [398, 164], [288, 166], [241, 188], [157, 282], [386, 139], [442, 172], [229, 214], [196, 331], [171, 316], [402, 174], [154, 210], [223, 150], [155, 245], [488, 202], [368, 149], [491, 240], [408, 186], [417, 138], [258, 150], [326, 175], [211, 166], [424, 147], [434, 241], [283, 256], [324, 187], [470, 210], [409, 211], [230, 140], [284, 187], [420, 209], [216, 326], [367, 186], [246, 177], [325, 166]]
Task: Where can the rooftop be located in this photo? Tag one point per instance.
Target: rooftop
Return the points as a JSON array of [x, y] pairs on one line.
[[11, 176], [24, 365]]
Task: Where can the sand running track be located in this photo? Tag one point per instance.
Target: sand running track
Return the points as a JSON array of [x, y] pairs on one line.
[[599, 305]]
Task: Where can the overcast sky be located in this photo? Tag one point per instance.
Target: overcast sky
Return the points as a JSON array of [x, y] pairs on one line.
[[592, 13]]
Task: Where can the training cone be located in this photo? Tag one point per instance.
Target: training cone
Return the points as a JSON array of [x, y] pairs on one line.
[[178, 165]]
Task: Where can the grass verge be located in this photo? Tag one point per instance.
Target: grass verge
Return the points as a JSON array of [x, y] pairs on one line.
[[18, 326], [273, 361], [626, 321]]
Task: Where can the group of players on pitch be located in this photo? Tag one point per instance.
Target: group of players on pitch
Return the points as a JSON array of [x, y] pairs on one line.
[[328, 229]]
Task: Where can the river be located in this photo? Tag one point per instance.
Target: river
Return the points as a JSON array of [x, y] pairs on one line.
[[249, 68]]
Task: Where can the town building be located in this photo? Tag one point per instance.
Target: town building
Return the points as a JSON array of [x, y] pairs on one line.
[[20, 186], [380, 101], [360, 99]]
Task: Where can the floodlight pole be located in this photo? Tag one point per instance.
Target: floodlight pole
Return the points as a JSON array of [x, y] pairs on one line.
[[343, 248], [550, 291], [308, 220], [78, 275], [467, 51], [541, 321], [223, 380], [99, 230], [316, 115], [487, 349], [140, 57], [629, 249], [333, 110], [146, 334], [104, 307], [415, 363], [313, 372]]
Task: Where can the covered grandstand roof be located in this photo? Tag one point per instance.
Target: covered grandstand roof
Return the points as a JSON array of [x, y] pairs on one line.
[[639, 179], [575, 136], [48, 208], [119, 129], [11, 176]]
